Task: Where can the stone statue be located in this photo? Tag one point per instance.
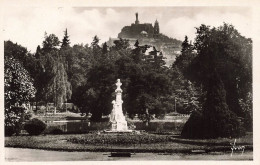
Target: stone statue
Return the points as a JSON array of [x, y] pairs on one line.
[[117, 117]]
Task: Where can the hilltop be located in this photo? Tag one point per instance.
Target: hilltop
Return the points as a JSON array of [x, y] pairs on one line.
[[148, 34]]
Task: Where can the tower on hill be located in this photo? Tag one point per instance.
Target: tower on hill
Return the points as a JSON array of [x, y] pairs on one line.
[[139, 30], [156, 28], [136, 19]]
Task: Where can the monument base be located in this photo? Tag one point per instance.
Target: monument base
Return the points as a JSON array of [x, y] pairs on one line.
[[115, 131], [119, 126]]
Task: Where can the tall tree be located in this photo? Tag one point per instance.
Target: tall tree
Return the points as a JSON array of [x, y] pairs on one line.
[[219, 68], [185, 45], [225, 50], [19, 87], [187, 55], [157, 61], [216, 119], [38, 52], [65, 40], [52, 79], [98, 91], [96, 49], [58, 88], [105, 48], [18, 90], [51, 42], [219, 120]]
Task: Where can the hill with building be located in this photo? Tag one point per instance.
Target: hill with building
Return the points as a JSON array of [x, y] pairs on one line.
[[148, 34]]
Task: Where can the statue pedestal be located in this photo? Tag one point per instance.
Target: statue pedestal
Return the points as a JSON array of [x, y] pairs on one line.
[[119, 126]]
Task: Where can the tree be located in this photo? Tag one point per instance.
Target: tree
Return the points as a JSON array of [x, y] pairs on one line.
[[98, 91], [65, 40], [157, 61], [225, 50], [51, 79], [247, 107], [95, 42], [121, 44], [221, 68], [20, 53], [40, 81], [80, 60], [32, 63], [187, 55], [187, 93], [145, 92], [219, 120], [136, 43], [105, 48], [145, 89], [19, 90], [50, 43], [188, 98], [185, 45], [58, 89], [13, 50], [38, 52], [96, 49], [216, 120]]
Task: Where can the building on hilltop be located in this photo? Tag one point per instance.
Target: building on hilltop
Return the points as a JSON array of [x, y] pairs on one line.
[[147, 34], [137, 30]]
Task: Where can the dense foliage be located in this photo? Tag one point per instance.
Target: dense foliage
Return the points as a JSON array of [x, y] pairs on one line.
[[34, 126], [211, 78], [18, 90], [188, 95], [216, 120], [223, 49], [145, 83], [223, 67]]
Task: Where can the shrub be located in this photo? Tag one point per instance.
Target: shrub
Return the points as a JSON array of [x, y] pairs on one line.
[[56, 131], [35, 126], [14, 117], [9, 130], [193, 128]]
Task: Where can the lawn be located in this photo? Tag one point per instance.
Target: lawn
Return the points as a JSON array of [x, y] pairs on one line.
[[126, 142]]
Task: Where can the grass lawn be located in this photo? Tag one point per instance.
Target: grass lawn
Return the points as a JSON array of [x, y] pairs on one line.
[[126, 142]]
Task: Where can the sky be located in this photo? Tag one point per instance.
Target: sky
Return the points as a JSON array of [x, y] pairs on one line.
[[27, 25]]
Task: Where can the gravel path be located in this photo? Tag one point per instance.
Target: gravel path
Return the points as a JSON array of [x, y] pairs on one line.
[[32, 155]]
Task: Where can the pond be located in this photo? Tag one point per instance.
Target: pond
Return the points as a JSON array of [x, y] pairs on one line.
[[83, 126]]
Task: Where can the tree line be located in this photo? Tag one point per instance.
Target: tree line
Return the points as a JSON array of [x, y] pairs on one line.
[[211, 78]]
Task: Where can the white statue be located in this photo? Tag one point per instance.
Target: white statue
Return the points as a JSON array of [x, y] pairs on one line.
[[117, 117]]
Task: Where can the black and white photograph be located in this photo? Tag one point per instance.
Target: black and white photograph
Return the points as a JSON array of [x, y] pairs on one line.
[[128, 83]]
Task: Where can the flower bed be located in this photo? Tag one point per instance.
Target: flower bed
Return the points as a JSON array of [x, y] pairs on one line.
[[150, 143], [120, 139]]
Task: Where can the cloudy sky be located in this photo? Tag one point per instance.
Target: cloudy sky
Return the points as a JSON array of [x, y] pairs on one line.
[[26, 25]]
